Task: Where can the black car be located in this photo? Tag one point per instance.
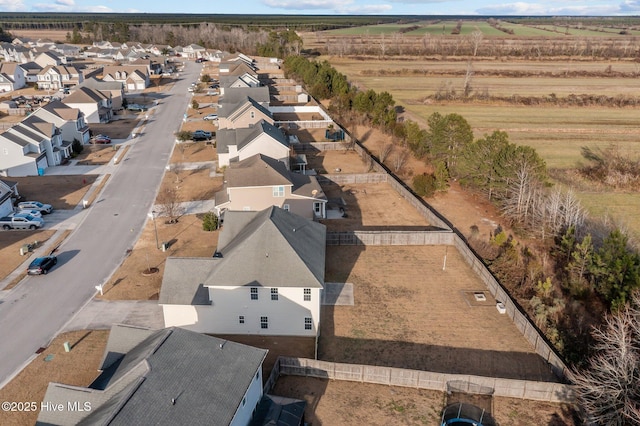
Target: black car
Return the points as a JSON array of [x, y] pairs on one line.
[[41, 265]]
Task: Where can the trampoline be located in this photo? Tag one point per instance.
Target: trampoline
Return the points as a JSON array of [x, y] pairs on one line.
[[461, 414]]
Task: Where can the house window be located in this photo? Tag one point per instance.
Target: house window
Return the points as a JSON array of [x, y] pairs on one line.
[[252, 114], [308, 325], [254, 293], [274, 294], [307, 295], [241, 319], [258, 375], [317, 208], [5, 151], [285, 207], [244, 401], [264, 322], [278, 191]]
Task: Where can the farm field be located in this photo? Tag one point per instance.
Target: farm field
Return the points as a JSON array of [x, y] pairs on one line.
[[557, 132]]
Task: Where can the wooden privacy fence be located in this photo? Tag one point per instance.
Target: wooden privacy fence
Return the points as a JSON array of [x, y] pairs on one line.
[[389, 238], [352, 178], [511, 388]]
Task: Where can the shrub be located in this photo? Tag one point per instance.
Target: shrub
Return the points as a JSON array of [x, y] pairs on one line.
[[424, 185], [206, 78], [209, 222], [184, 135], [76, 146], [195, 104]]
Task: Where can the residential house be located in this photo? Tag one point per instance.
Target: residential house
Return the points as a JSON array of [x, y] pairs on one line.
[[95, 105], [31, 71], [48, 57], [236, 68], [193, 51], [170, 377], [243, 114], [54, 77], [154, 66], [8, 193], [266, 278], [13, 76], [16, 52], [66, 50], [134, 77], [260, 181], [245, 80], [236, 95], [261, 138], [29, 147], [112, 89], [69, 120]]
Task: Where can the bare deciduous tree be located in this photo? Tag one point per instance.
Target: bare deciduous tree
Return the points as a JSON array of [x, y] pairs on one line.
[[468, 77], [475, 39], [169, 203], [400, 159], [385, 151], [608, 389]]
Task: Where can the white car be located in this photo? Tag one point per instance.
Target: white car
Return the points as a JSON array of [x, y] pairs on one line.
[[211, 117], [35, 205], [34, 213]]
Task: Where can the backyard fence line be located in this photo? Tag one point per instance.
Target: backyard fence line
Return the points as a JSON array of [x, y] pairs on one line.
[[510, 388], [352, 178], [389, 238]]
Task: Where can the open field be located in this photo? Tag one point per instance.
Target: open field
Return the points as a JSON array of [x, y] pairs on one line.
[[410, 313]]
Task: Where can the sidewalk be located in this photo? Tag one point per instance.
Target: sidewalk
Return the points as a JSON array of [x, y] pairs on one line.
[[102, 314]]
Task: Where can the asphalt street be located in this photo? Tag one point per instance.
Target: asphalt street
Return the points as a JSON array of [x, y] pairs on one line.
[[32, 313]]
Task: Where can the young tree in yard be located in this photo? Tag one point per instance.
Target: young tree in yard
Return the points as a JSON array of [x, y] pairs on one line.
[[385, 151], [169, 203], [399, 160], [608, 388]]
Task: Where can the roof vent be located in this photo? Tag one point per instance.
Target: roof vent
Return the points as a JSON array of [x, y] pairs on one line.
[[314, 192], [266, 255]]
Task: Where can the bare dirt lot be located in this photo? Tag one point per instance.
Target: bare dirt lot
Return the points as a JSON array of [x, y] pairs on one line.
[[335, 162], [61, 191], [188, 152], [186, 238], [77, 368], [335, 402], [191, 184], [410, 313], [372, 206]]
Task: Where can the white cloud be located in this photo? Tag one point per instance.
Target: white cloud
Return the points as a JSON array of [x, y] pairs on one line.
[[69, 3], [521, 8], [69, 6], [12, 5]]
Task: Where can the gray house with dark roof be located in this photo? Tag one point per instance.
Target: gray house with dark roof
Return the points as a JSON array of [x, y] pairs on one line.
[[260, 138], [165, 377], [260, 181], [245, 113], [266, 278]]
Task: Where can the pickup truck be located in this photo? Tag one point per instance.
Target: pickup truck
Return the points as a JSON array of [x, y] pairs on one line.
[[21, 221]]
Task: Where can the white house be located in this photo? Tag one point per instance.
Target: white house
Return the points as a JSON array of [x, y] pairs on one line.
[[8, 192], [259, 182], [260, 138], [95, 105], [194, 51], [170, 376], [12, 76], [266, 278], [29, 147], [47, 58], [69, 120], [134, 77]]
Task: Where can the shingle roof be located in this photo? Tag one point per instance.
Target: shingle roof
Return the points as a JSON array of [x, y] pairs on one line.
[[174, 376], [182, 281], [236, 95], [270, 248], [257, 170], [234, 111], [96, 84], [243, 136], [84, 95]]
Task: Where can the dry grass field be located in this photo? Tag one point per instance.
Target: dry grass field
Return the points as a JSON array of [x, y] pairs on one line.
[[557, 132], [61, 191]]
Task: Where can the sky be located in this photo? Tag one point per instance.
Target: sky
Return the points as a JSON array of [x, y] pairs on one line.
[[332, 7]]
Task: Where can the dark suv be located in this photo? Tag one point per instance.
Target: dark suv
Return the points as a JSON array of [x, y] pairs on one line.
[[41, 265]]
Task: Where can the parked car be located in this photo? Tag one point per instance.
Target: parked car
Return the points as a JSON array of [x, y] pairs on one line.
[[201, 135], [35, 205], [137, 107], [211, 117], [191, 88], [34, 213], [42, 265], [21, 221], [101, 139], [213, 93], [64, 90], [199, 60]]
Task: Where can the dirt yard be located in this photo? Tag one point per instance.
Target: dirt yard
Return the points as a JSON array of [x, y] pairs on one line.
[[77, 368], [371, 206], [188, 152], [95, 155], [10, 243], [336, 402], [61, 191], [410, 313], [191, 184], [186, 238], [336, 162]]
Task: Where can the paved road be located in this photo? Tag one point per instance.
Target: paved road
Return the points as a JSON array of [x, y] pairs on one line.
[[32, 313]]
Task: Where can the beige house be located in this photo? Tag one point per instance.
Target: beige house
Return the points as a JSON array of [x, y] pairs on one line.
[[69, 120], [244, 114], [261, 138], [54, 77], [260, 181], [95, 105], [134, 77], [112, 89]]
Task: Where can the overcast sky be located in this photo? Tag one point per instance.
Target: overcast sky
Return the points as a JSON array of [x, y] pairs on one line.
[[359, 7]]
